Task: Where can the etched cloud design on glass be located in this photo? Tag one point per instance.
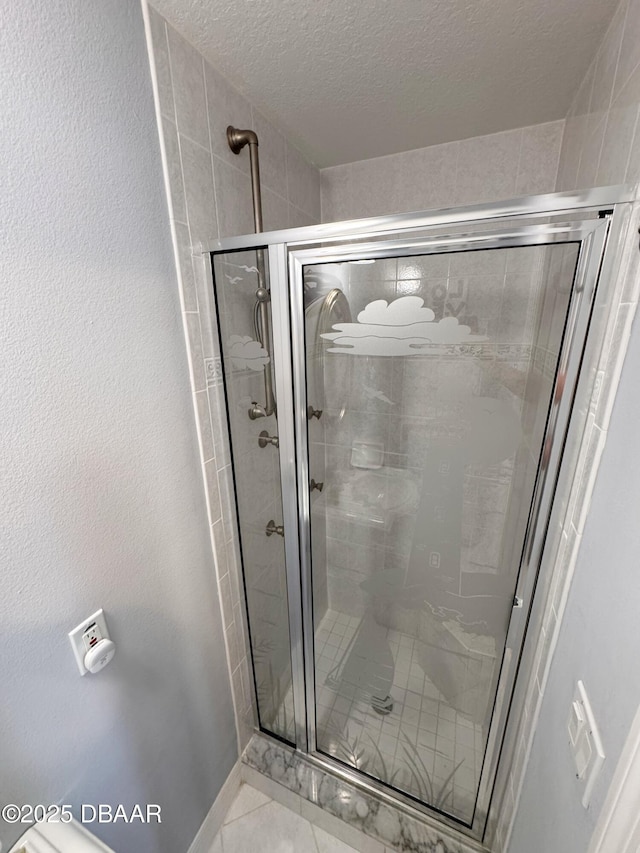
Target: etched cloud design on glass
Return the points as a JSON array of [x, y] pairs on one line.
[[245, 353], [401, 327]]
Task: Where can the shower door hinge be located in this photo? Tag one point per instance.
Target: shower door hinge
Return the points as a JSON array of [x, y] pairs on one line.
[[518, 602]]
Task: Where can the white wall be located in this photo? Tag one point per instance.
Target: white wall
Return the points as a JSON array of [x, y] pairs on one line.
[[102, 496], [598, 641], [480, 169]]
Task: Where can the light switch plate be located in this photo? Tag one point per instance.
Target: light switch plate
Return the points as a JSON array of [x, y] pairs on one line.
[[585, 742], [577, 721], [76, 637]]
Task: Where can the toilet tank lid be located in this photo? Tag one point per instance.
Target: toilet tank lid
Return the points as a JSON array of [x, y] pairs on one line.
[[59, 838]]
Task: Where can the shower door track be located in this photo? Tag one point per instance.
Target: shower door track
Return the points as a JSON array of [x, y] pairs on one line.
[[288, 252]]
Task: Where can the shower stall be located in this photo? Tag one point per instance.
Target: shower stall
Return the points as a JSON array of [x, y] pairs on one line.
[[394, 500]]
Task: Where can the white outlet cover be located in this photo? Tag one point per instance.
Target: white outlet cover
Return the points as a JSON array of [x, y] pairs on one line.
[[77, 643]]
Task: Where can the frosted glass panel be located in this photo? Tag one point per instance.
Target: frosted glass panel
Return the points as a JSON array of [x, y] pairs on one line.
[[257, 482], [433, 375]]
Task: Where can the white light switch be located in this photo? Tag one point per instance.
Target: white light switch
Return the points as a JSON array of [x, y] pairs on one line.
[[577, 722], [585, 742]]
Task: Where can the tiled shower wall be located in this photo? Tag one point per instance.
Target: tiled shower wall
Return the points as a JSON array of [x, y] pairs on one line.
[[601, 146], [481, 169], [209, 191]]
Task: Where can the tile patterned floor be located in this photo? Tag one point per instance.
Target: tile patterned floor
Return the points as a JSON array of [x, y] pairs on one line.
[[256, 822], [419, 745]]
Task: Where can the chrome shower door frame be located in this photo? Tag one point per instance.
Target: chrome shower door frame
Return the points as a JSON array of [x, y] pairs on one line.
[[289, 251]]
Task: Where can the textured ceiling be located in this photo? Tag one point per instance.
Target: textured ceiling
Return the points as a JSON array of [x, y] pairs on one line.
[[353, 79]]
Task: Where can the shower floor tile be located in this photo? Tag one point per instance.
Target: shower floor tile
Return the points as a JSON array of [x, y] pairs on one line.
[[423, 746]]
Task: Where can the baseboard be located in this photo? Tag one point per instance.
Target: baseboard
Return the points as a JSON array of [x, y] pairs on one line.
[[212, 823], [618, 827]]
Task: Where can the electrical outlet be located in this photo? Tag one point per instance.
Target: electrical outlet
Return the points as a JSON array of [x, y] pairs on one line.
[[87, 635], [91, 636]]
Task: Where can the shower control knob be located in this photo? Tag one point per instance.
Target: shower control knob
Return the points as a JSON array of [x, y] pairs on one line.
[[264, 438], [257, 411], [272, 528], [313, 485], [314, 413]]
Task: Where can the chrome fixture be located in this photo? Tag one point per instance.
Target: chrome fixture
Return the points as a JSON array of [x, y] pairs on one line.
[[314, 413], [272, 528], [237, 139], [313, 485], [264, 438]]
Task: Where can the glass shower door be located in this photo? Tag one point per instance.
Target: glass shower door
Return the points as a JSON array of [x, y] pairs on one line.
[[397, 431], [247, 367], [429, 383]]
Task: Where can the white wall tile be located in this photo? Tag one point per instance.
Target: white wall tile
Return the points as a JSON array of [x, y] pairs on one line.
[[572, 141], [194, 343], [205, 434], [162, 64], [335, 187], [582, 100], [198, 190], [177, 203], [273, 173], [275, 210], [617, 144], [607, 64], [303, 183], [185, 267], [484, 168], [591, 148], [426, 177], [539, 155], [233, 200], [213, 491], [487, 167], [632, 174], [187, 74], [629, 58], [298, 218], [225, 107]]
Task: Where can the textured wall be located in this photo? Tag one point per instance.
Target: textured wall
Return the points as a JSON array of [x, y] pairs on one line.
[[597, 642], [209, 192], [483, 168], [350, 84], [102, 498]]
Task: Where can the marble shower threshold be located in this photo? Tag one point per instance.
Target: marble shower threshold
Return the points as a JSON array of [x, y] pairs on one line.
[[352, 814]]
